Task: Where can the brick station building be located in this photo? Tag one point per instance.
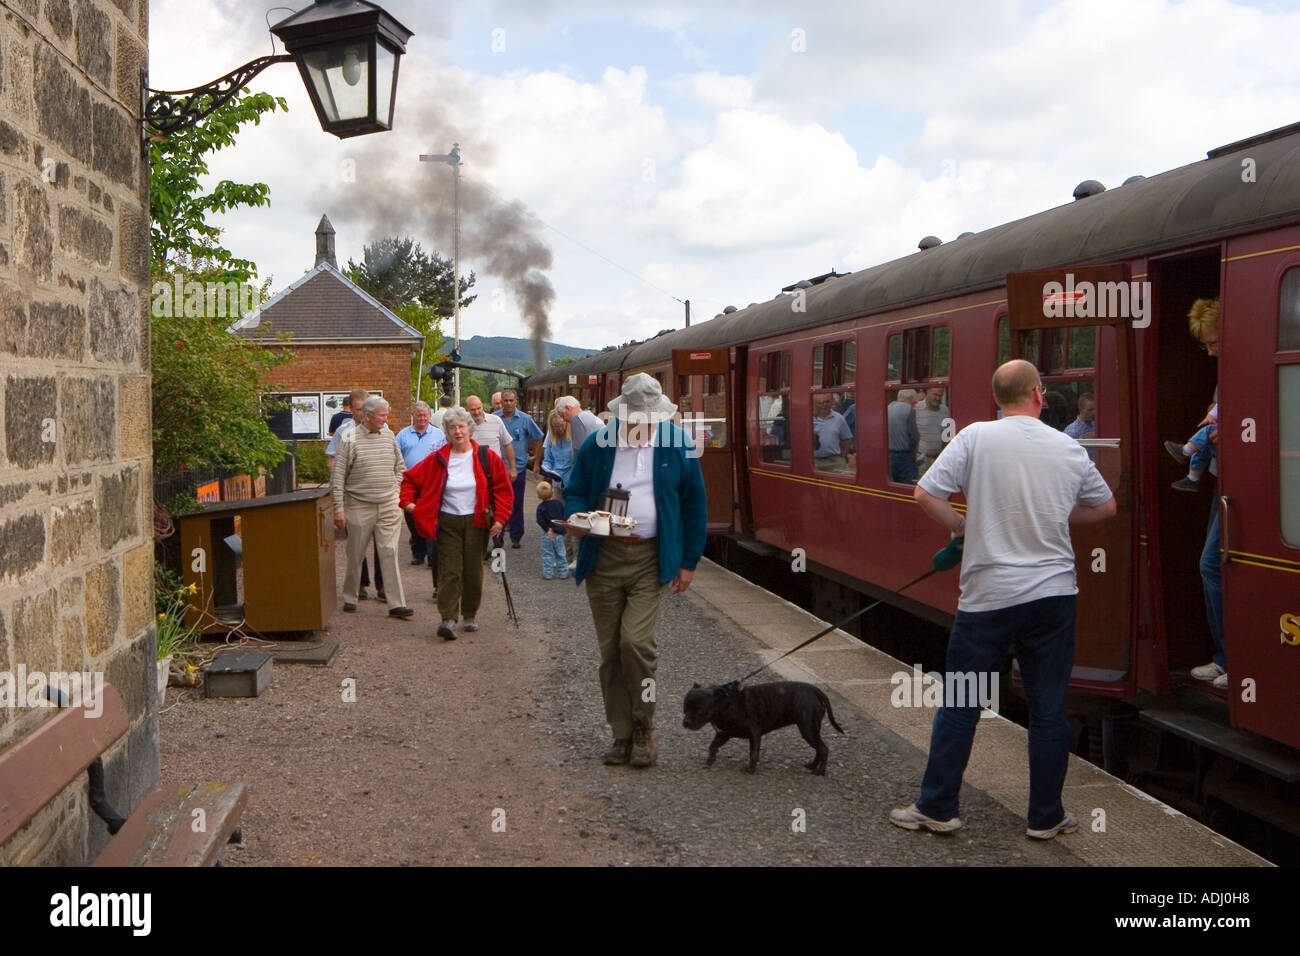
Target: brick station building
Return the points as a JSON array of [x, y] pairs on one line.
[[341, 338]]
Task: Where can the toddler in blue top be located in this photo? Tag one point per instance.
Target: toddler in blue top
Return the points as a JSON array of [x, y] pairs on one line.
[[549, 510]]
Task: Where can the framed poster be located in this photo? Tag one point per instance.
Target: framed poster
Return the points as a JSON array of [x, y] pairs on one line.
[[331, 405], [305, 412]]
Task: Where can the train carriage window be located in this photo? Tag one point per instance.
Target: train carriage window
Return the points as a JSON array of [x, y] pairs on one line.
[[1004, 339], [941, 343], [1288, 409], [684, 392], [1065, 358], [1288, 428], [832, 424], [1083, 347], [835, 364], [894, 358], [1288, 313], [834, 443], [916, 354], [934, 425], [774, 408], [917, 420]]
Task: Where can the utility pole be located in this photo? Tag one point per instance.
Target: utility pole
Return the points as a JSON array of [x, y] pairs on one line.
[[452, 159], [688, 313]]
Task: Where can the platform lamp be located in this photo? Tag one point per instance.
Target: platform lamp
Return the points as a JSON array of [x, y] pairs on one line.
[[348, 53]]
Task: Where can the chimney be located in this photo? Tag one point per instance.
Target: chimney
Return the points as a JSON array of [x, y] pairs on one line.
[[325, 243]]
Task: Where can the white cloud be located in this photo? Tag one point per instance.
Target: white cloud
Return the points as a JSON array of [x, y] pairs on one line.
[[723, 184], [713, 90]]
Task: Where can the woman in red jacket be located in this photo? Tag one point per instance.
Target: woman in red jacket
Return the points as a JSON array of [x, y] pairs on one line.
[[455, 496]]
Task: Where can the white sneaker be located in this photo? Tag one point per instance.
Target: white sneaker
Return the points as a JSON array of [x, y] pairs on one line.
[[573, 565], [1221, 682], [470, 625], [1067, 825], [1210, 671], [910, 818]]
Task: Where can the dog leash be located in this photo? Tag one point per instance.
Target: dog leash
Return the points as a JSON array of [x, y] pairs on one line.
[[947, 558]]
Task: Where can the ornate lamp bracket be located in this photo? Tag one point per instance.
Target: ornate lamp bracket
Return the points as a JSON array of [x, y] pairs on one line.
[[166, 112]]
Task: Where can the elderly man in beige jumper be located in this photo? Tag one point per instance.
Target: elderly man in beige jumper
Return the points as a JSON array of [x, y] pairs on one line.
[[366, 479]]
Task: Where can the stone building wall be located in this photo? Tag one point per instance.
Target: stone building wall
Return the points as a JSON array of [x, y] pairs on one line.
[[76, 540]]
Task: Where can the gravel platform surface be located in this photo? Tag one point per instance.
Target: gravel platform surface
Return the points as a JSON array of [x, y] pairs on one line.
[[486, 750]]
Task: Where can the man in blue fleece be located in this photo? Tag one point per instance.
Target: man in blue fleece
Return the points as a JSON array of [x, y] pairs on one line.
[[656, 462]]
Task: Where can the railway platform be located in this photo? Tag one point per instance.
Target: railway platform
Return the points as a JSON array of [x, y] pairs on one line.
[[487, 750]]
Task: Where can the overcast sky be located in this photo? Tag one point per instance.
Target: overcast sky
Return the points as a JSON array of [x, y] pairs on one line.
[[720, 150]]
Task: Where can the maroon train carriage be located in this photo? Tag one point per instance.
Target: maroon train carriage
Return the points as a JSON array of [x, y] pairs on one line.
[[1096, 294]]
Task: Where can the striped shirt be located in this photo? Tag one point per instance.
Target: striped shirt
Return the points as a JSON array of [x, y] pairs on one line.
[[368, 466]]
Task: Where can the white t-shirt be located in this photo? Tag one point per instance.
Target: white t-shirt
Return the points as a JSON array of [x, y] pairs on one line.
[[459, 494], [1021, 479], [634, 470]]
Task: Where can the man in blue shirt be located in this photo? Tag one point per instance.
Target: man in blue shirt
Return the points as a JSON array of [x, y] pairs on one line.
[[832, 436], [524, 433], [416, 442]]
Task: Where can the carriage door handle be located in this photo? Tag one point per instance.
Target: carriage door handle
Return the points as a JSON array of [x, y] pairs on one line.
[[1224, 547]]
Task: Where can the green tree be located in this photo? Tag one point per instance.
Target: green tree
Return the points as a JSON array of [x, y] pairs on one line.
[[206, 389], [180, 235], [206, 382], [419, 288], [424, 319], [397, 272]]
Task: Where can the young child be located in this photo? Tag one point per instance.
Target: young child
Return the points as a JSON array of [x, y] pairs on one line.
[[1197, 453], [552, 541]]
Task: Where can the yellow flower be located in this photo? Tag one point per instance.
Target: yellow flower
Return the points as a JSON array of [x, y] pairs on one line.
[[162, 617], [194, 589]]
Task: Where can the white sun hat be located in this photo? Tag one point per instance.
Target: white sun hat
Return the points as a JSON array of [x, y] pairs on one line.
[[643, 400]]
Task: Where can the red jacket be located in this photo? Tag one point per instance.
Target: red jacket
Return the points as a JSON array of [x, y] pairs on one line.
[[423, 484]]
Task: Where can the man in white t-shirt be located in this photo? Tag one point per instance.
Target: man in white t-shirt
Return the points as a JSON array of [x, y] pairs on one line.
[[1025, 483]]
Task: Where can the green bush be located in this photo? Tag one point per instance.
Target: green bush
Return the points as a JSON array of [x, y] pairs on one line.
[[313, 466]]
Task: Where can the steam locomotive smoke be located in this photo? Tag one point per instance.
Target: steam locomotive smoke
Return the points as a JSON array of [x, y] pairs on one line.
[[395, 195]]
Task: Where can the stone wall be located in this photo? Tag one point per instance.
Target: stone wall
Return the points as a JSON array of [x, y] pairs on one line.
[[76, 539]]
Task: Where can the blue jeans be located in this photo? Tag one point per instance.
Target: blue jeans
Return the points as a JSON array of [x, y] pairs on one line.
[[902, 467], [980, 643], [1212, 581], [553, 558], [517, 514], [1205, 449]]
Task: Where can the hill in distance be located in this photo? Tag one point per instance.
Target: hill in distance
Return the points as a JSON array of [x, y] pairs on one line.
[[499, 351]]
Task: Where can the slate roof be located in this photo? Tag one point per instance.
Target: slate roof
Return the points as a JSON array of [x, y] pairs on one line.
[[325, 307]]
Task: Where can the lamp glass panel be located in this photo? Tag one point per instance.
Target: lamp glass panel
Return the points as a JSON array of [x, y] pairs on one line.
[[340, 74], [385, 66]]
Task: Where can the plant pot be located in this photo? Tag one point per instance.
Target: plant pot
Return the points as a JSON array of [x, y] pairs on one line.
[[164, 669]]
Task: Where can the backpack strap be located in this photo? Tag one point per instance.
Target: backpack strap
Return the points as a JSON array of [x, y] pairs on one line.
[[487, 473]]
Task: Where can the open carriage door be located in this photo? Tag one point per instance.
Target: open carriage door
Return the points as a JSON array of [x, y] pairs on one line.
[[1076, 325], [1259, 485], [704, 405]]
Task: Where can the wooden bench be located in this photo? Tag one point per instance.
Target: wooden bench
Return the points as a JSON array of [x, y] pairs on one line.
[[163, 831]]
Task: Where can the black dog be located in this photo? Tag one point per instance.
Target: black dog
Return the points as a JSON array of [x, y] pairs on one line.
[[751, 712]]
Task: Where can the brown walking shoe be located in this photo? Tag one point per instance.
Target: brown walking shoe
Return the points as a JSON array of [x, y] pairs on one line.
[[645, 748], [619, 752]]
